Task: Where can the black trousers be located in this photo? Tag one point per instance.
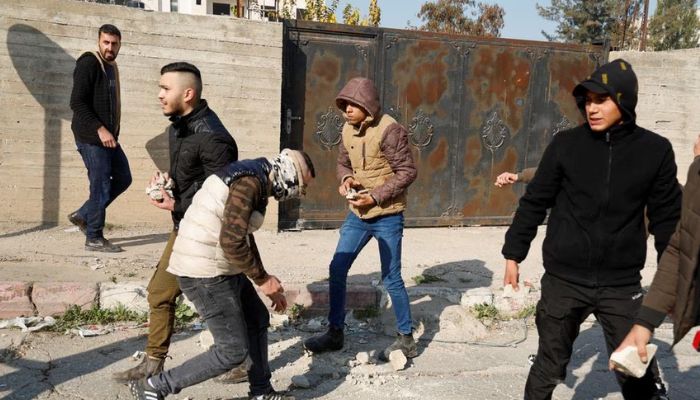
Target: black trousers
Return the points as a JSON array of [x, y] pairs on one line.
[[562, 308]]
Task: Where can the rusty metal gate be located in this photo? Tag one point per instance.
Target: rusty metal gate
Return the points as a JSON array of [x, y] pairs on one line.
[[474, 107]]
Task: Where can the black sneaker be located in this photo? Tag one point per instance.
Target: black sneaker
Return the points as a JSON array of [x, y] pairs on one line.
[[660, 391], [272, 396], [78, 221], [332, 340], [103, 245], [405, 343], [141, 390]]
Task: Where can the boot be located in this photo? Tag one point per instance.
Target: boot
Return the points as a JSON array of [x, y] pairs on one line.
[[78, 221], [405, 343], [332, 340], [236, 375], [148, 367], [103, 245]]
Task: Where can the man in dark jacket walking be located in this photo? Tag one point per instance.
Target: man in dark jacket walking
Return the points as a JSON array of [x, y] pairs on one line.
[[676, 287], [596, 179], [96, 119], [200, 145]]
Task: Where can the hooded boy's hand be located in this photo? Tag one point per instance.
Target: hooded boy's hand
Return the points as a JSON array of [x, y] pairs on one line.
[[348, 183]]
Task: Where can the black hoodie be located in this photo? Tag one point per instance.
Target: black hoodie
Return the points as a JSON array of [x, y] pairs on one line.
[[597, 185]]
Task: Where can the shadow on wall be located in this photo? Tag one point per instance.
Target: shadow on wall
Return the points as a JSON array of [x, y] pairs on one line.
[[39, 61], [158, 150]]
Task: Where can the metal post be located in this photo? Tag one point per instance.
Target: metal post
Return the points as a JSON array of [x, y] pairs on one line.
[[643, 42]]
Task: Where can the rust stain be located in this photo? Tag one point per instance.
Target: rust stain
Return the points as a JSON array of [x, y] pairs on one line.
[[422, 73], [327, 69], [438, 157], [565, 72], [501, 77], [473, 151], [507, 163]]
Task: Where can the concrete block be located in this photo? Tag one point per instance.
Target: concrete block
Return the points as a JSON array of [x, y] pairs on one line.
[[476, 296], [362, 357], [14, 300], [132, 295], [398, 360], [315, 296], [53, 298], [450, 294]]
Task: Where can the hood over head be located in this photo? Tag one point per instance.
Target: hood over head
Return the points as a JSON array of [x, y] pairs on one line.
[[616, 79], [360, 91]]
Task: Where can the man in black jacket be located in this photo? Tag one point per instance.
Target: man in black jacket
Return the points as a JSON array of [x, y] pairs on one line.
[[596, 179], [96, 116], [200, 145]]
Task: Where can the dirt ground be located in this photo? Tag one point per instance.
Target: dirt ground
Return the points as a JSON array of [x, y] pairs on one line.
[[451, 363]]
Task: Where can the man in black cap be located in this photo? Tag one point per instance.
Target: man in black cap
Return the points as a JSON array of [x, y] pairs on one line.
[[596, 179]]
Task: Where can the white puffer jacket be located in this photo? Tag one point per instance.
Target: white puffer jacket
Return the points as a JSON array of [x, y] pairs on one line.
[[197, 252]]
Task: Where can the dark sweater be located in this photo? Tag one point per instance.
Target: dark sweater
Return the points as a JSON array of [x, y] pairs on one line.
[[91, 101], [597, 185], [597, 190]]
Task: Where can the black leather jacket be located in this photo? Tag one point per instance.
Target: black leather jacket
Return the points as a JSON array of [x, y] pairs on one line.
[[200, 145]]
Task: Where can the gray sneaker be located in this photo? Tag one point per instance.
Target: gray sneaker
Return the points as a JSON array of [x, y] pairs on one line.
[[102, 245]]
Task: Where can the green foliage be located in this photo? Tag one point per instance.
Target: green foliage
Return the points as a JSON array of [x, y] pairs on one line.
[[75, 316], [184, 315], [462, 16], [485, 311], [366, 313], [375, 14], [593, 21], [295, 312], [674, 25], [426, 278], [526, 312], [318, 10], [351, 15], [286, 9]]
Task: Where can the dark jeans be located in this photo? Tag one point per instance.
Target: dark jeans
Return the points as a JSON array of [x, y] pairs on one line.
[[354, 235], [109, 176], [238, 321], [562, 308]]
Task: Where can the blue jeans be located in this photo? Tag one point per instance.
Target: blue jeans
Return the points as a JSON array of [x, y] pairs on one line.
[[354, 235], [238, 321], [109, 176]]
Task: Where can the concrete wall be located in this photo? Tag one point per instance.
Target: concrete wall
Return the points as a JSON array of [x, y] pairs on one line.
[[42, 177], [669, 97]]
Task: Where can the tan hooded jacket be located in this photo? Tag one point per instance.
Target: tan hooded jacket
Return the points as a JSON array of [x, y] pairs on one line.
[[376, 153]]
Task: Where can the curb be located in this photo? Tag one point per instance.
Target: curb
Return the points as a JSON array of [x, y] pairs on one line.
[[26, 299]]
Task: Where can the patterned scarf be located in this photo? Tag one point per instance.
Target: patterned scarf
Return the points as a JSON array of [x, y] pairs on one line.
[[287, 182]]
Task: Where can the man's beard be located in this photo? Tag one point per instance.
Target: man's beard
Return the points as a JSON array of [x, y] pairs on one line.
[[175, 111], [109, 56]]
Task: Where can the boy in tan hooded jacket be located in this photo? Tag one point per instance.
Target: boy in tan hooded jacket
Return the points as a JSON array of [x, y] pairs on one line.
[[375, 167]]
